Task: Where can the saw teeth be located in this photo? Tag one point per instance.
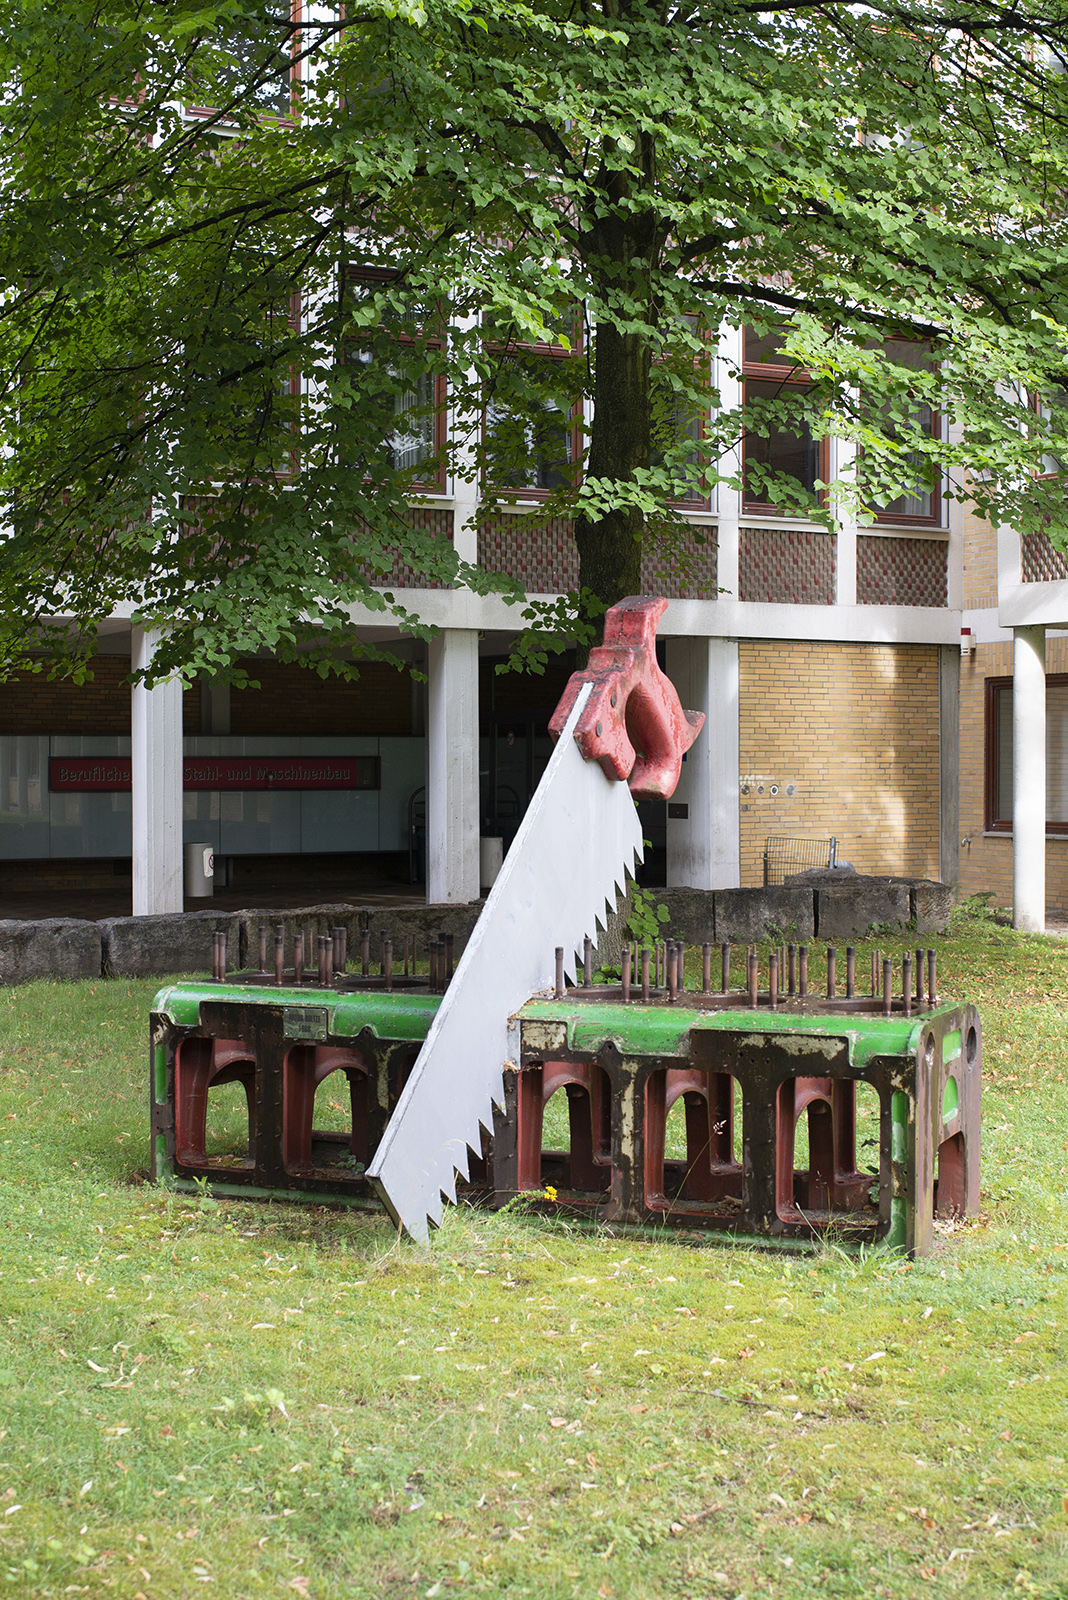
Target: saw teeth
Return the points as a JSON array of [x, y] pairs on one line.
[[577, 819]]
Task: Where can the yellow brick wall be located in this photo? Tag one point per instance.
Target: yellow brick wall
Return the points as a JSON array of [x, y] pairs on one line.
[[980, 561], [986, 862], [854, 728]]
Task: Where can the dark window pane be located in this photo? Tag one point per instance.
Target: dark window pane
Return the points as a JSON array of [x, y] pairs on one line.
[[1052, 407], [221, 70], [529, 450], [920, 500], [530, 424], [409, 398], [676, 419], [1003, 756], [765, 349], [791, 451], [1056, 754]]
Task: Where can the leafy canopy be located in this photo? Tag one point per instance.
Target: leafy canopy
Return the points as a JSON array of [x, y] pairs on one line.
[[225, 330]]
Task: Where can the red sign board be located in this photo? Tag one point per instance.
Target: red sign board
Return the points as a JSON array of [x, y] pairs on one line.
[[111, 774]]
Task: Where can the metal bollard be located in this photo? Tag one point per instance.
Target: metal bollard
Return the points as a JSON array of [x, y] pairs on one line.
[[832, 957], [851, 971], [646, 954]]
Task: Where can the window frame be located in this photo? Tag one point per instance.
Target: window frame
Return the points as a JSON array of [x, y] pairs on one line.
[[436, 482], [1034, 403], [700, 502], [268, 113], [1055, 828], [540, 350], [786, 376], [911, 519]]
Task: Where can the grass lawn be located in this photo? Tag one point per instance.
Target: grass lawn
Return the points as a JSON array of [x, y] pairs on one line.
[[245, 1399]]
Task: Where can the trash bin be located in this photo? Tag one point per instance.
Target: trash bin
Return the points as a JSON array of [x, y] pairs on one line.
[[199, 870], [490, 860]]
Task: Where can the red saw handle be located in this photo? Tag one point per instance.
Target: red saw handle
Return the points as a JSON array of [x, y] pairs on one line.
[[633, 723]]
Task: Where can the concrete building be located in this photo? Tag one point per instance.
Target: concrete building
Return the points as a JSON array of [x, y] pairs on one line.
[[830, 669]]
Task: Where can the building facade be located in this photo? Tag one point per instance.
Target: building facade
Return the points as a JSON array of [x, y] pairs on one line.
[[838, 699]]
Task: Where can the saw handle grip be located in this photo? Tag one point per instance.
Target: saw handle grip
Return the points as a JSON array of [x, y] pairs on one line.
[[633, 723]]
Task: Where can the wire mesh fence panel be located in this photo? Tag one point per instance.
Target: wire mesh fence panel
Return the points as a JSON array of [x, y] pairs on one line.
[[784, 856]]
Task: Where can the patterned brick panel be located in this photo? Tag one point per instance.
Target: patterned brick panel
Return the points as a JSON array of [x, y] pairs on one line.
[[543, 557], [901, 571], [545, 561], [1040, 562], [696, 581], [437, 522], [786, 566]]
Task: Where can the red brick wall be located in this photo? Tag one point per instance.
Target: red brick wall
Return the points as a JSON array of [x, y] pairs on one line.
[[293, 700], [33, 704]]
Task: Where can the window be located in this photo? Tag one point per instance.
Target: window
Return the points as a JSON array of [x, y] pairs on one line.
[[244, 54], [678, 420], [774, 446], [1052, 407], [533, 415], [397, 380], [999, 754], [920, 505], [240, 368]]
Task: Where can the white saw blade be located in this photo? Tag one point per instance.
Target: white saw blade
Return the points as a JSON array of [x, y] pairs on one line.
[[577, 843]]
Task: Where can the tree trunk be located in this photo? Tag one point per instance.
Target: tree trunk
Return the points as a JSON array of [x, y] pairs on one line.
[[610, 549]]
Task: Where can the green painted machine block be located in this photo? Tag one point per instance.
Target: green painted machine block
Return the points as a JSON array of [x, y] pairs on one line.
[[748, 1075]]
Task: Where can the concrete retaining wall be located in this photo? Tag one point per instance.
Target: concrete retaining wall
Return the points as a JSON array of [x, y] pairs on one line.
[[137, 947]]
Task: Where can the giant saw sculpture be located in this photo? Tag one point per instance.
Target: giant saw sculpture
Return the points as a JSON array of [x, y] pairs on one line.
[[621, 734]]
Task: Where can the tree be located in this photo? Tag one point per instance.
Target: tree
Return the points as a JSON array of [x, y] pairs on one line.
[[531, 204]]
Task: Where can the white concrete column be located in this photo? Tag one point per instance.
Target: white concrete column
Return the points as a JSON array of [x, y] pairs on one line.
[[843, 463], [1029, 779], [452, 767], [703, 844], [156, 768]]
